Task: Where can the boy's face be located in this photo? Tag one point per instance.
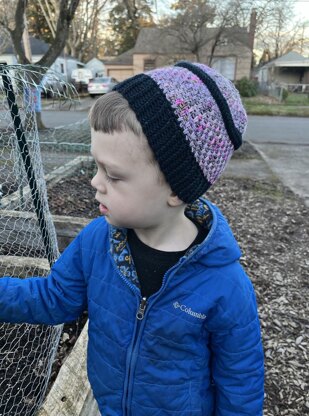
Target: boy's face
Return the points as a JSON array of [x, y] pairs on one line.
[[128, 189]]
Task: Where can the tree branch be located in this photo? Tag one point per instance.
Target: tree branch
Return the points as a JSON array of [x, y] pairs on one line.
[[66, 14]]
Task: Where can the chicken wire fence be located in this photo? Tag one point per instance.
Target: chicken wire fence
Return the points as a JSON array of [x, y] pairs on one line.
[[28, 243], [61, 144]]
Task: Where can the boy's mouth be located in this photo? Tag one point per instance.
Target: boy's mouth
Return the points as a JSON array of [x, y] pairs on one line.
[[103, 209]]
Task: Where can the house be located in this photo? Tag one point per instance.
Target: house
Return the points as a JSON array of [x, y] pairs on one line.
[[96, 66], [63, 65], [156, 47], [121, 67], [290, 70]]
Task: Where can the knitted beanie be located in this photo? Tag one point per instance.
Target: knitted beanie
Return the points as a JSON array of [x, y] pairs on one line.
[[193, 120]]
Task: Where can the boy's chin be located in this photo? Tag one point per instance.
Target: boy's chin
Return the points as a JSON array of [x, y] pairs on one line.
[[114, 223]]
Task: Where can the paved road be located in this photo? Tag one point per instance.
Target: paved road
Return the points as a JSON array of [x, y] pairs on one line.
[[57, 118], [54, 116], [288, 130], [282, 141], [284, 144]]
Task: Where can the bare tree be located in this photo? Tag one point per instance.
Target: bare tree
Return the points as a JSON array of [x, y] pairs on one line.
[[66, 10], [281, 36], [14, 23], [274, 32], [189, 25], [4, 39], [84, 37], [226, 16], [200, 23]]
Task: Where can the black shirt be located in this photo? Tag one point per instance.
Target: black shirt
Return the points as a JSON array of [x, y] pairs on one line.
[[151, 264]]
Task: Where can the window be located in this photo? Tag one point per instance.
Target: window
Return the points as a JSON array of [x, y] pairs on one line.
[[223, 41], [226, 66], [149, 64]]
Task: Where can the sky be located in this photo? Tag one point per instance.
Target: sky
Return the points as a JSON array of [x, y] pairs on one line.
[[302, 9]]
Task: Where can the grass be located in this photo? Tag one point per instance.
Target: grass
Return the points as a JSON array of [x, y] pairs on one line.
[[294, 105], [297, 99]]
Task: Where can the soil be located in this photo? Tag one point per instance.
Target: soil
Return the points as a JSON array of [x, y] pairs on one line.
[[74, 196]]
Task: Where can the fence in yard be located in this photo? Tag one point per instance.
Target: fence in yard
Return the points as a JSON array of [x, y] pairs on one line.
[[277, 90], [28, 243]]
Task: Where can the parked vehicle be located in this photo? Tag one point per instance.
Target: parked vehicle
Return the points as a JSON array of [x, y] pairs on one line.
[[101, 85], [81, 76], [52, 84]]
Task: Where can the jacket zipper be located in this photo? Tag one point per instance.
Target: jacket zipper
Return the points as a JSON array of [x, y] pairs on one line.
[[133, 353], [139, 317], [137, 333], [141, 310]]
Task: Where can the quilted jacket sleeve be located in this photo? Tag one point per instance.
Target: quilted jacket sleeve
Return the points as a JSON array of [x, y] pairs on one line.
[[58, 298], [237, 353]]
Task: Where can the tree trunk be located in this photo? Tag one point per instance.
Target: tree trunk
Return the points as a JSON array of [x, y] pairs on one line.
[[39, 121], [66, 14]]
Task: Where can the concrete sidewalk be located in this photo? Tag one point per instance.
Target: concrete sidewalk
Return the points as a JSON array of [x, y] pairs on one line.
[[290, 164], [248, 163], [266, 162]]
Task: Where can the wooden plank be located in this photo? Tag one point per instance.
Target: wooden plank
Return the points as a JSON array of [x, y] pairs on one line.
[[18, 223], [23, 266], [71, 393], [12, 201]]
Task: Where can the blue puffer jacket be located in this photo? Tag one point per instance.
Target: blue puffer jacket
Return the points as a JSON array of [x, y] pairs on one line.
[[192, 349]]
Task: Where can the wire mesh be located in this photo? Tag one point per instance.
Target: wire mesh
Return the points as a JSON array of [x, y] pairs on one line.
[[28, 243]]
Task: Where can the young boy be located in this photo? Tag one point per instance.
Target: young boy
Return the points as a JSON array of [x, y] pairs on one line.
[[173, 325]]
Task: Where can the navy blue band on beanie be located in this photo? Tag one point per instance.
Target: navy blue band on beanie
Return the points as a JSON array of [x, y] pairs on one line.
[[234, 135], [165, 136]]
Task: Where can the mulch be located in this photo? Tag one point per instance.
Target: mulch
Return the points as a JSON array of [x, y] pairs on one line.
[[271, 225], [272, 228]]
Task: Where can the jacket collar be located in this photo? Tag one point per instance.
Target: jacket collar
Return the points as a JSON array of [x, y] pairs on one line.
[[198, 211]]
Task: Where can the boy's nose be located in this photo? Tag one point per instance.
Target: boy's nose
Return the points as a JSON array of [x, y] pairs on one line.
[[97, 184]]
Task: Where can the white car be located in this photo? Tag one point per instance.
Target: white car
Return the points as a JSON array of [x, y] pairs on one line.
[[101, 85]]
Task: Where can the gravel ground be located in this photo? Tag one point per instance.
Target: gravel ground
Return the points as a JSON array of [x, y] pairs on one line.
[[271, 226]]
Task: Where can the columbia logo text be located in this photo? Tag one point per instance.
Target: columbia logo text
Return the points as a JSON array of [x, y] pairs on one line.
[[189, 311]]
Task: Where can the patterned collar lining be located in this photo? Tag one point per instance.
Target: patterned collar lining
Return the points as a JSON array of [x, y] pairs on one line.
[[120, 251]]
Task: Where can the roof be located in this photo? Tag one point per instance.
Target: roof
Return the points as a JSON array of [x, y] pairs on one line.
[[125, 59], [38, 47], [165, 41], [290, 59], [154, 40], [96, 60]]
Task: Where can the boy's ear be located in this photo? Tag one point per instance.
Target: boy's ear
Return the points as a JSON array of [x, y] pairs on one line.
[[174, 200]]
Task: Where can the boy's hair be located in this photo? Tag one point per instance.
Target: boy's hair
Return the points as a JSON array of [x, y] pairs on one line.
[[112, 113]]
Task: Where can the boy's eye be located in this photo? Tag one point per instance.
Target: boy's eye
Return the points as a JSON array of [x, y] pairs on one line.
[[110, 178]]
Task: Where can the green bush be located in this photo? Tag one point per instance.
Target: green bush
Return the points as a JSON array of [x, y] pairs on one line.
[[246, 87], [285, 94]]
